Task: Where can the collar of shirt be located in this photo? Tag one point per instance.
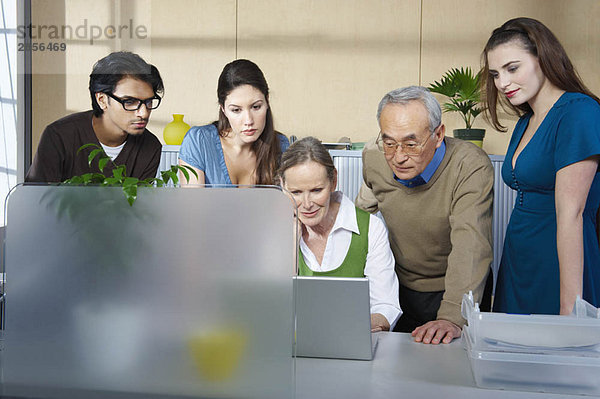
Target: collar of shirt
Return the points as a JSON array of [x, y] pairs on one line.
[[430, 169], [346, 217], [113, 152], [339, 238]]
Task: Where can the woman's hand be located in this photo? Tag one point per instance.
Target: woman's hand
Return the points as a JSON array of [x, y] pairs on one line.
[[379, 323]]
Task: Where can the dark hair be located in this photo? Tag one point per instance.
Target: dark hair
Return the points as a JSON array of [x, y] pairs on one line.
[[305, 150], [267, 149], [540, 42], [110, 70]]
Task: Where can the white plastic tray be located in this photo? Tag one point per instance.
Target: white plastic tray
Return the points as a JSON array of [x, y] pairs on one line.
[[579, 331], [567, 372]]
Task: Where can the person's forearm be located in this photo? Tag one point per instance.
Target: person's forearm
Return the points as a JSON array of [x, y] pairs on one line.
[[379, 322], [389, 311], [569, 244], [573, 183]]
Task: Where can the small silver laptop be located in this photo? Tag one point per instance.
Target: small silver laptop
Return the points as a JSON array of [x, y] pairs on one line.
[[333, 318]]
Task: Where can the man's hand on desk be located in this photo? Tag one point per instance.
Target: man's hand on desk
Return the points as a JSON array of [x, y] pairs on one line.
[[436, 331], [379, 323]]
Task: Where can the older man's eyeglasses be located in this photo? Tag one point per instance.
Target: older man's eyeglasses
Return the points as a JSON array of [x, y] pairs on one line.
[[410, 148], [133, 104]]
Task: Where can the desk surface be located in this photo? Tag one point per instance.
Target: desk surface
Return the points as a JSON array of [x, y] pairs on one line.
[[401, 368]]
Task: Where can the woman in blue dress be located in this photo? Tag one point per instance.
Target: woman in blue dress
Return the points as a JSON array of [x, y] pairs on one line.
[[551, 252], [242, 147]]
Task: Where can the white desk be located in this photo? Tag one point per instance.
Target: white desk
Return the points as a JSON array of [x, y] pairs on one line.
[[401, 369]]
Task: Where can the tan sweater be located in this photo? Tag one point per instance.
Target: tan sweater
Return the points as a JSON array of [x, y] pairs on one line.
[[440, 232]]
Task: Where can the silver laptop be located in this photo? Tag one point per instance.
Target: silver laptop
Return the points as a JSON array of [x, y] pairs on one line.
[[333, 318]]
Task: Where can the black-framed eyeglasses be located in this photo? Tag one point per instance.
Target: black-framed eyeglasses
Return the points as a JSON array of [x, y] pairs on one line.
[[133, 104]]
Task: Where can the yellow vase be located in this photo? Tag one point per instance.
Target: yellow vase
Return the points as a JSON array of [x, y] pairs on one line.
[[218, 353], [175, 130]]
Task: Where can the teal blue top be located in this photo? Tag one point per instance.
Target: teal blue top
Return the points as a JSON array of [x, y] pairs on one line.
[[528, 279]]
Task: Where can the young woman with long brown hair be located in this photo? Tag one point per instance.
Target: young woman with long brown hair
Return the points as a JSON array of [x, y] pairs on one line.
[[242, 147], [551, 252]]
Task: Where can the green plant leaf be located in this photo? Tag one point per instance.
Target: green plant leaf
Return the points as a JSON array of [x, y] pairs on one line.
[[130, 192], [129, 185], [190, 169], [450, 107], [83, 147], [146, 182], [75, 180], [185, 173], [445, 87], [119, 177], [475, 111], [173, 173], [154, 181], [119, 172], [93, 155], [170, 175], [112, 181], [87, 178], [102, 163], [130, 181], [462, 88], [98, 178], [174, 177], [166, 175]]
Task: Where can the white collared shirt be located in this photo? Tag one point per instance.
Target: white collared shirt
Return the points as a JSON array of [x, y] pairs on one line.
[[383, 282]]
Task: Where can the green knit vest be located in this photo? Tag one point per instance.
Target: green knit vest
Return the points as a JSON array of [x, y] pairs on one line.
[[356, 258]]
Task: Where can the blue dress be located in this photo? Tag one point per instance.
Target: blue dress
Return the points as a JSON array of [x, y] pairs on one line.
[[528, 277], [201, 148]]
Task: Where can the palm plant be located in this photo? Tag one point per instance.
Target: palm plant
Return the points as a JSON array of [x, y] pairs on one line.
[[462, 89]]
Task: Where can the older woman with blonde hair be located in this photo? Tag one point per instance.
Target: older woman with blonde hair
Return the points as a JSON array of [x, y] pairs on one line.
[[337, 238]]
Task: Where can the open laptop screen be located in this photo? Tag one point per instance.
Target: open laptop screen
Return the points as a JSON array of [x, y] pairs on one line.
[[333, 318]]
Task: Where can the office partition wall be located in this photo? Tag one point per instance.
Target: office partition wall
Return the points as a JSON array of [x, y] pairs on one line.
[[187, 293]]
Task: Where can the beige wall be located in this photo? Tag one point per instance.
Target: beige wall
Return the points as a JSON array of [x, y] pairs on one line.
[[328, 62], [455, 32]]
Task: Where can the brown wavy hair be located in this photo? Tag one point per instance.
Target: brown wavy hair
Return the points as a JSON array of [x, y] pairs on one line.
[[540, 42], [266, 147]]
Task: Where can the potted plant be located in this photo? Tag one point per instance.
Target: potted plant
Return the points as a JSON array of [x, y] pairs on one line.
[[75, 207], [109, 251], [462, 88], [119, 176]]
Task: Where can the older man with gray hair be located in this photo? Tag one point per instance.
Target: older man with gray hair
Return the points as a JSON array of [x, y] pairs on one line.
[[435, 194]]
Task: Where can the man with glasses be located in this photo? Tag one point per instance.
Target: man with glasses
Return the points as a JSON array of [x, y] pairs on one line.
[[435, 195], [124, 90]]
